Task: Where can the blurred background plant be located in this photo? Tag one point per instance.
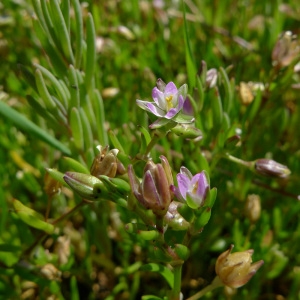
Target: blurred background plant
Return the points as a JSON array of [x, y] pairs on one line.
[[70, 80]]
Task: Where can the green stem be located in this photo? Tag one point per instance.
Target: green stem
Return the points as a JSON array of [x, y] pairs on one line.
[[70, 212], [160, 228], [215, 284], [175, 295], [239, 161], [43, 235], [156, 136]]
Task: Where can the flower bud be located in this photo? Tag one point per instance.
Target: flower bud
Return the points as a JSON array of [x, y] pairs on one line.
[[174, 219], [154, 191], [271, 168], [50, 272], [85, 185], [285, 50], [253, 208], [106, 163], [211, 78], [235, 269]]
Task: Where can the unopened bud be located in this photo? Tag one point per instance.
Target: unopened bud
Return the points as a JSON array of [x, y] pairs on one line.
[[154, 191], [253, 208], [106, 163], [235, 269], [85, 185], [269, 167], [285, 50], [211, 78], [50, 272], [174, 219]]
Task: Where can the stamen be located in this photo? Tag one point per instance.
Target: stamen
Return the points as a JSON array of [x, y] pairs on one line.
[[169, 102], [195, 187]]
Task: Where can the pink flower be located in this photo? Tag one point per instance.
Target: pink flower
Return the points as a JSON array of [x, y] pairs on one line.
[[169, 104]]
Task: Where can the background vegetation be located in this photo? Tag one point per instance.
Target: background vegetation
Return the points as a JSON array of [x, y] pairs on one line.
[[136, 43]]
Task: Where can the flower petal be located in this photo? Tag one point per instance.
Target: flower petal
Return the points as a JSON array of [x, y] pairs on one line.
[[183, 90], [149, 190], [171, 113], [159, 98], [187, 107], [151, 107], [186, 172], [183, 184], [171, 88]]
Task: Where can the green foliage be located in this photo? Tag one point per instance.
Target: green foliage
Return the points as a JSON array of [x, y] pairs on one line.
[[70, 75]]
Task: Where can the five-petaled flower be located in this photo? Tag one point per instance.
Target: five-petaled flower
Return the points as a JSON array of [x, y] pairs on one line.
[[192, 189], [170, 104]]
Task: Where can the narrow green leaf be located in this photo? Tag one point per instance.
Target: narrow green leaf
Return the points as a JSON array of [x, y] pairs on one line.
[[202, 219], [76, 166], [48, 21], [74, 289], [9, 248], [27, 76], [90, 112], [90, 51], [200, 94], [74, 88], [217, 109], [61, 30], [79, 32], [87, 131], [228, 91], [162, 270], [52, 52], [39, 13], [115, 141], [31, 217], [29, 127], [145, 139], [77, 130], [100, 118], [56, 84], [65, 10], [58, 176], [42, 111], [43, 91], [151, 297], [190, 65]]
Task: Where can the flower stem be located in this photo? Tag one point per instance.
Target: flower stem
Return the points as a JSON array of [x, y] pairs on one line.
[[215, 284], [160, 228], [43, 235], [175, 294], [239, 161]]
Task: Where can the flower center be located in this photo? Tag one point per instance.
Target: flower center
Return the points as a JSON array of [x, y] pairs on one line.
[[169, 102], [195, 187]]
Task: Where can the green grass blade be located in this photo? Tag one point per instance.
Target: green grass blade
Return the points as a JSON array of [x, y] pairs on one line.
[[76, 127], [74, 88], [29, 127], [79, 32], [100, 118], [63, 97], [90, 52], [43, 91], [190, 65], [61, 30]]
